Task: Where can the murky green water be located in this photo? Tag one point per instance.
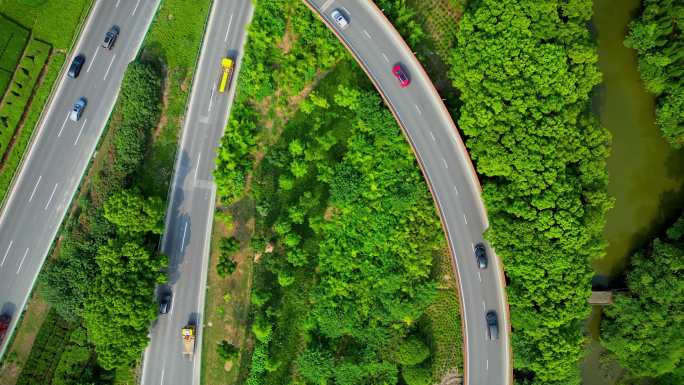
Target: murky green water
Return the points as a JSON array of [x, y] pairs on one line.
[[646, 175]]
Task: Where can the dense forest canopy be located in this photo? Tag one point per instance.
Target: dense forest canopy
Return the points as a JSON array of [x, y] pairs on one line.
[[644, 328], [525, 70], [658, 37]]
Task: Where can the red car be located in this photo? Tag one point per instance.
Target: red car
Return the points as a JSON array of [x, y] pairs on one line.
[[401, 75], [4, 325]]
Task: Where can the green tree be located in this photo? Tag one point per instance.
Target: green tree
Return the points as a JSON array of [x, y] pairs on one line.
[[411, 351], [644, 328], [416, 375], [525, 70], [134, 214], [658, 38], [121, 303], [226, 350]]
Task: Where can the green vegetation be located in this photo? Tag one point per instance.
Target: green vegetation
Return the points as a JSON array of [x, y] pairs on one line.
[[346, 234], [525, 70], [644, 328], [53, 21], [13, 38], [658, 38], [61, 356], [21, 90]]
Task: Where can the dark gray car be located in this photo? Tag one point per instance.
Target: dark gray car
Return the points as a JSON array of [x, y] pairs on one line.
[[75, 67], [110, 37], [481, 256], [492, 325], [165, 303]]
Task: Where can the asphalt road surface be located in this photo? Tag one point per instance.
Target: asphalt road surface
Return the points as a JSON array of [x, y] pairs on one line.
[[446, 165], [191, 208], [62, 149]]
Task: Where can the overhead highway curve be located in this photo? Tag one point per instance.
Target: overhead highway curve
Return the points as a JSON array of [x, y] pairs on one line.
[[192, 197], [61, 149], [447, 168]]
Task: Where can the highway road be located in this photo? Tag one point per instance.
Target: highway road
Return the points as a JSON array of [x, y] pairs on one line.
[[62, 149], [446, 165], [191, 209]]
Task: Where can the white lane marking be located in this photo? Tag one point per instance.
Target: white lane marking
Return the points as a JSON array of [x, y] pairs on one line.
[[484, 306], [472, 246], [418, 108], [230, 21], [211, 98], [326, 5], [185, 230], [35, 188], [456, 189], [109, 66], [6, 252], [22, 260], [479, 276], [63, 124], [487, 364], [433, 136], [385, 57], [445, 163], [465, 219], [117, 4], [51, 196], [346, 11], [80, 131], [368, 36], [199, 157], [162, 378], [93, 59], [136, 7]]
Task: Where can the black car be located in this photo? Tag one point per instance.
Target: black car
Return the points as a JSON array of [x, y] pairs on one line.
[[481, 256], [492, 325], [165, 303], [75, 67], [110, 37]]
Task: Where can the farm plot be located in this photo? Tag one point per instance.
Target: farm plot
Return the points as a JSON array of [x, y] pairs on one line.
[[13, 39], [21, 90]]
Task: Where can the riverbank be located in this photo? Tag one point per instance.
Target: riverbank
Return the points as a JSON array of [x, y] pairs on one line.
[[646, 174]]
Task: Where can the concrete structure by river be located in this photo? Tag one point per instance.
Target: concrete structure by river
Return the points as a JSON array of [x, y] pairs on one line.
[[646, 175]]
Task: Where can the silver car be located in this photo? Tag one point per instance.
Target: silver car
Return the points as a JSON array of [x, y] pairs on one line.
[[339, 18], [77, 111]]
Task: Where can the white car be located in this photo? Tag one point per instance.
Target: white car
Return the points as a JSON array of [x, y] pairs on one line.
[[339, 18]]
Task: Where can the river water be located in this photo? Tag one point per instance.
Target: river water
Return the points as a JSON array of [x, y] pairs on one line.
[[646, 175]]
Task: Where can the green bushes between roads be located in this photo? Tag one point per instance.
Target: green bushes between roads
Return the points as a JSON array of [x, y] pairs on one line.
[[21, 90], [644, 328], [658, 38], [341, 198], [106, 270], [525, 70], [13, 38]]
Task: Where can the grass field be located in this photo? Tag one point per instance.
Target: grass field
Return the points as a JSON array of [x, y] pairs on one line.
[[53, 21], [18, 352], [442, 321], [227, 315]]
